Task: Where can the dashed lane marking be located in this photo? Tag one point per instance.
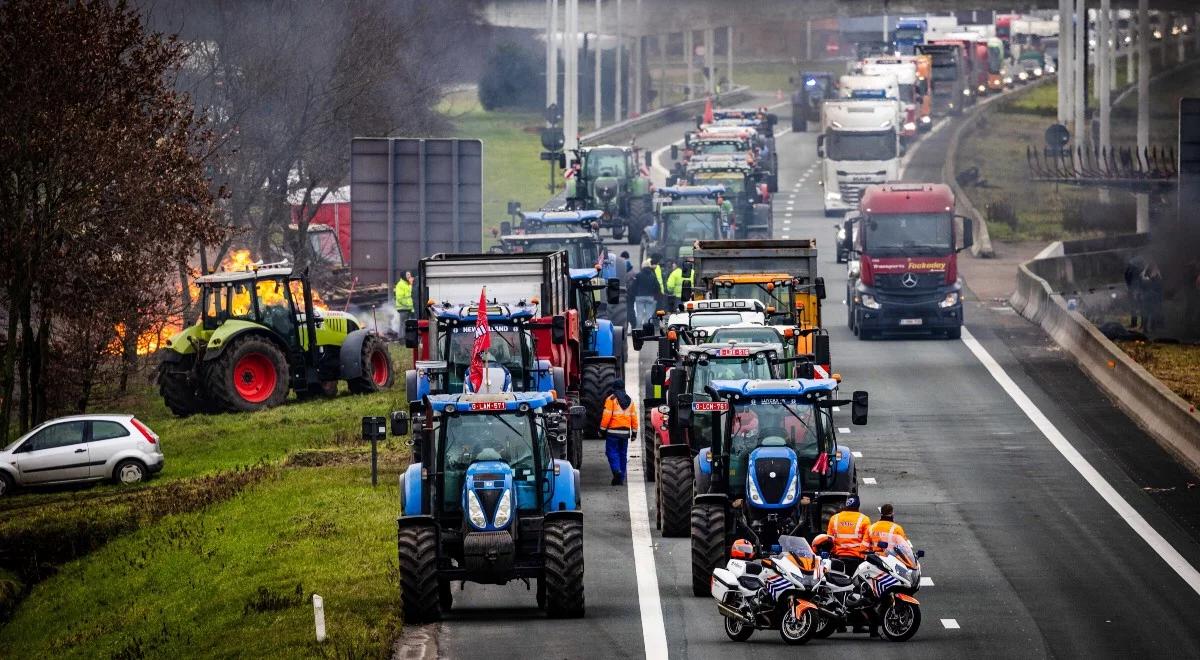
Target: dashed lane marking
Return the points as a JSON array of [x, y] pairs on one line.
[[1105, 490], [857, 454], [950, 624], [870, 481], [837, 409], [843, 429], [926, 582]]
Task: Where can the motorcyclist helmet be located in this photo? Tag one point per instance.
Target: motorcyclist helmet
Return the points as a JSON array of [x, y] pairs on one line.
[[822, 542], [742, 549]]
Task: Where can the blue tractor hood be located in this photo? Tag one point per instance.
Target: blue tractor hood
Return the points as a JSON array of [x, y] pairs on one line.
[[489, 499]]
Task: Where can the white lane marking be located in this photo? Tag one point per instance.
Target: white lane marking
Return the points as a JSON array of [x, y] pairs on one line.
[[1107, 493], [870, 481], [659, 169], [950, 624], [787, 215], [857, 454], [837, 409], [926, 582], [843, 429], [654, 632]]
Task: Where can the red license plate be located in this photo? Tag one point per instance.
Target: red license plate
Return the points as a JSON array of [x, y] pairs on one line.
[[488, 405], [710, 406], [733, 352]]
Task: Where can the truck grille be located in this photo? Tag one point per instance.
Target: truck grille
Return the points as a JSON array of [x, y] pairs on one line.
[[924, 280]]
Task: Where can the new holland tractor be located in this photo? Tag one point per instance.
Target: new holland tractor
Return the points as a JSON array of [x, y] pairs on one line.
[[610, 179], [488, 503], [259, 336], [773, 451]]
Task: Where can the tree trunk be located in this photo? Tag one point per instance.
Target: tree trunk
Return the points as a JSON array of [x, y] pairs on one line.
[[9, 367]]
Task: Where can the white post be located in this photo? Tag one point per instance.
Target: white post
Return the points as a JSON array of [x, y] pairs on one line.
[[711, 80], [729, 55], [552, 53], [1080, 77], [571, 79], [638, 51], [597, 99], [1181, 41], [319, 616], [1104, 71], [689, 50], [808, 40], [662, 40], [1143, 105], [1066, 51], [618, 72]]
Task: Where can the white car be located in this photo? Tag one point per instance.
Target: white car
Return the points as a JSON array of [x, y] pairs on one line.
[[81, 448]]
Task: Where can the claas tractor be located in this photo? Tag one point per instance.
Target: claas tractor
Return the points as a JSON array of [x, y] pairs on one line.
[[774, 454], [611, 179], [745, 187], [259, 336], [488, 503]]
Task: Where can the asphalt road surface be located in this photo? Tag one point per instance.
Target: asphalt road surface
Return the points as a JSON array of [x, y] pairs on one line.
[[1053, 526]]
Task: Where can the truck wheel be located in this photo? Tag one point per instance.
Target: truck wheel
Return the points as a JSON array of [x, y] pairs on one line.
[[675, 486], [377, 372], [562, 542], [181, 393], [251, 374], [596, 384], [708, 545], [420, 592]]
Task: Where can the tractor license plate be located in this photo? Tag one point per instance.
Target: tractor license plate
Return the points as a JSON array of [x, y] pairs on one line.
[[488, 405], [710, 406], [911, 321], [733, 352]]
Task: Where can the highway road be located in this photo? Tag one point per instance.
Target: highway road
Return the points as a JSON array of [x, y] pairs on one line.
[[1053, 526]]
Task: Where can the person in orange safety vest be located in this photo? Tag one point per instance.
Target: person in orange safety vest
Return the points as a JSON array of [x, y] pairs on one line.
[[619, 423], [851, 532], [886, 529]]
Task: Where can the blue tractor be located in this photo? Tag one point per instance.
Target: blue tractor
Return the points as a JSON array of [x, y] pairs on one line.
[[488, 503], [774, 455]]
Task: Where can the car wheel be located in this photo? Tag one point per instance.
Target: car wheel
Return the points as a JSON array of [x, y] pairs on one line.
[[129, 472], [7, 484]]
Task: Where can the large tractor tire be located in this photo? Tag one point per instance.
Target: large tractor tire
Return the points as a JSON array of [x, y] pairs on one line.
[[675, 494], [640, 213], [562, 542], [420, 592], [251, 374], [183, 395], [575, 449], [618, 313], [708, 545], [597, 383], [648, 441], [377, 371]]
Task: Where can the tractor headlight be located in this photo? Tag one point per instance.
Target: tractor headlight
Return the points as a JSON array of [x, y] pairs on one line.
[[503, 510], [755, 496], [869, 301], [926, 119], [1007, 80], [475, 511], [950, 300], [1037, 71], [1050, 68], [1024, 75], [966, 92], [982, 89], [790, 495]]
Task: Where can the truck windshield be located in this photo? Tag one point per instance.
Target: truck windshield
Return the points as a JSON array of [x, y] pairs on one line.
[[867, 145], [994, 59], [688, 227], [777, 298], [915, 232], [909, 34], [605, 163]]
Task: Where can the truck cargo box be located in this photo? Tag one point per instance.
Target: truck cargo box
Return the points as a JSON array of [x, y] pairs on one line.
[[509, 278]]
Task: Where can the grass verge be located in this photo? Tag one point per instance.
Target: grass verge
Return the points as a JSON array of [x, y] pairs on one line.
[[1175, 365]]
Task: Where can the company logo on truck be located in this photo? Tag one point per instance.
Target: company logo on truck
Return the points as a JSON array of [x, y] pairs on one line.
[[907, 265]]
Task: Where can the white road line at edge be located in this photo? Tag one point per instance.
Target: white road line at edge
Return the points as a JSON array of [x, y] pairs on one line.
[[654, 632], [1109, 494], [950, 624]]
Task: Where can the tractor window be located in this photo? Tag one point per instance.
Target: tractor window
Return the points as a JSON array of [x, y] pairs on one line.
[[466, 435], [506, 350], [719, 148], [778, 298], [747, 334], [274, 308], [684, 228], [605, 163], [241, 306], [759, 420]]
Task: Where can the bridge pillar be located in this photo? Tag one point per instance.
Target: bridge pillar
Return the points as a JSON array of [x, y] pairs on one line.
[[710, 78], [1079, 78], [1065, 48], [689, 54], [1143, 105], [619, 72], [729, 54], [597, 98]]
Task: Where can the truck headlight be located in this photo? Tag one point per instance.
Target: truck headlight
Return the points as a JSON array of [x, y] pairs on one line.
[[755, 496], [869, 301], [950, 300], [503, 510], [833, 196], [1037, 71], [475, 511]]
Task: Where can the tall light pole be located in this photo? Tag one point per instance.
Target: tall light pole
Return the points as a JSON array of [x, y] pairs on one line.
[[597, 106], [552, 52], [571, 80], [1080, 76], [618, 74], [1104, 73], [1143, 105]]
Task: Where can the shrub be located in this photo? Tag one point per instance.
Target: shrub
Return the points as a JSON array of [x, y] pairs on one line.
[[510, 79]]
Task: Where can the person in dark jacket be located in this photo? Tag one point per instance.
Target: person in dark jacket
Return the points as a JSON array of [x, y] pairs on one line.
[[646, 293]]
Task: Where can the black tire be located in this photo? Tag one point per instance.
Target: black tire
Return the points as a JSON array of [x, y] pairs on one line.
[[954, 333], [183, 395], [562, 547], [374, 352], [648, 450], [737, 631], [798, 631], [675, 495], [595, 387], [221, 376], [618, 232], [130, 471], [7, 484], [825, 628], [898, 609], [445, 595], [618, 313], [575, 449], [419, 589], [708, 545]]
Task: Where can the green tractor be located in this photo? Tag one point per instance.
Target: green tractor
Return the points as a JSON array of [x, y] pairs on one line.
[[259, 336], [611, 179]]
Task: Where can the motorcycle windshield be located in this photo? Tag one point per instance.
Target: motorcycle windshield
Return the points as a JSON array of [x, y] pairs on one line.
[[900, 548], [797, 545]]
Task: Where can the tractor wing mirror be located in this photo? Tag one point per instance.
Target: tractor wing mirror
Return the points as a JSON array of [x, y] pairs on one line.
[[968, 233], [558, 329], [505, 228], [674, 152], [399, 423], [658, 375], [820, 288], [613, 291], [820, 349], [411, 333], [858, 408], [820, 146]]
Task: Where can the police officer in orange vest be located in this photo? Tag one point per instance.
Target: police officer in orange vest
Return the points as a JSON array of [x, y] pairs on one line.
[[851, 532], [620, 421], [886, 529]]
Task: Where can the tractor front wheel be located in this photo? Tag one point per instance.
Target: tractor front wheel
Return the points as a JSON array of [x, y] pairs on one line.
[[377, 373], [562, 542], [250, 374], [675, 494], [597, 383], [708, 545], [181, 392], [420, 591]]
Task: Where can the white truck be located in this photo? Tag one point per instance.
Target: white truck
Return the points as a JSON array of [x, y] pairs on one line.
[[904, 68], [859, 145]]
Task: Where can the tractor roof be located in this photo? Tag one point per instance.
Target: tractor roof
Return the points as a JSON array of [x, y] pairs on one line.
[[225, 277], [726, 305], [582, 218], [676, 209], [582, 273], [563, 237], [495, 311], [505, 402], [680, 192], [773, 388], [729, 349]]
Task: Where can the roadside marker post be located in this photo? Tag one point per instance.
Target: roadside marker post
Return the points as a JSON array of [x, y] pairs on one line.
[[319, 616], [374, 429]]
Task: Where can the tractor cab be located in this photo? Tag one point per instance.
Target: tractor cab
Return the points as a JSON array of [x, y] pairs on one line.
[[610, 179], [677, 227], [488, 502], [745, 187], [788, 299]]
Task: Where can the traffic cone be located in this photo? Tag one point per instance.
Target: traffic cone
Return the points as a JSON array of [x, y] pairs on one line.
[[708, 110]]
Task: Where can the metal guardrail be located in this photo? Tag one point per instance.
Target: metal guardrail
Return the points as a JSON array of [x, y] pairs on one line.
[[1124, 167]]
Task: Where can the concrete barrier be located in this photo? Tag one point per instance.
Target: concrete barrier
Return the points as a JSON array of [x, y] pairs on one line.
[[622, 131], [1170, 420]]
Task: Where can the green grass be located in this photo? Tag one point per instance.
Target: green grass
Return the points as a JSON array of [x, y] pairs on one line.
[[233, 580], [1176, 365]]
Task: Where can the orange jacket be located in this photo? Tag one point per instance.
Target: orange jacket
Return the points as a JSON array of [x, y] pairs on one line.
[[851, 532], [619, 419], [885, 530]]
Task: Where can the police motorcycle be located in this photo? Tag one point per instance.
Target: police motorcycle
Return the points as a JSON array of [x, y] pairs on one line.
[[772, 593], [880, 592]]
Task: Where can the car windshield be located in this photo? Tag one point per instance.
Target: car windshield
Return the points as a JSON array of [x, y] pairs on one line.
[[914, 232], [790, 422], [605, 162], [872, 145], [735, 183], [689, 227], [505, 350], [758, 334]]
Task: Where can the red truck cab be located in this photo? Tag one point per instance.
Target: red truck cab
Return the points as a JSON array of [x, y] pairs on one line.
[[904, 239]]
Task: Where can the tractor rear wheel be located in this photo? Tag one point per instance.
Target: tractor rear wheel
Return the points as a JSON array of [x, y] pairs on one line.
[[648, 450], [595, 387], [562, 542], [250, 374], [377, 371], [420, 590], [575, 449], [675, 494], [708, 545], [182, 394]]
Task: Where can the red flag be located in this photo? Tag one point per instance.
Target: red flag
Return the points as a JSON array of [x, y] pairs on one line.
[[822, 464], [708, 111], [483, 342]]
